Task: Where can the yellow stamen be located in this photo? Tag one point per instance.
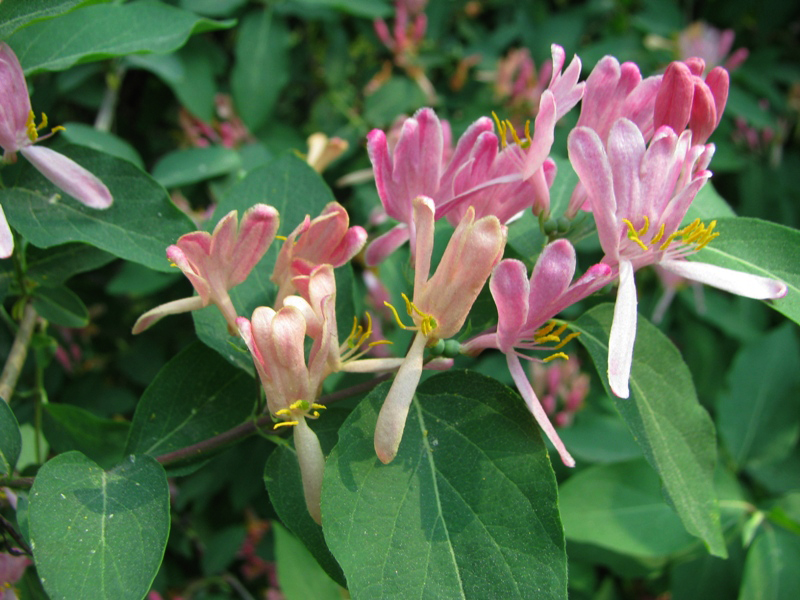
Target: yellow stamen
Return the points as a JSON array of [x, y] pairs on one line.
[[633, 234], [501, 130], [300, 405], [396, 316], [645, 227], [282, 238], [285, 424], [379, 343], [657, 237], [284, 412], [566, 340], [546, 329], [318, 406], [30, 127], [555, 356]]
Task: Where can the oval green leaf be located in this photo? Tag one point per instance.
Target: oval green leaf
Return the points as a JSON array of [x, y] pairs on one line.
[[468, 508], [666, 419], [96, 533], [195, 396], [105, 31]]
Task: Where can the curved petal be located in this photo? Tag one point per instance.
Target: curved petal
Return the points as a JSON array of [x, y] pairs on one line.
[[175, 307], [312, 465], [551, 277], [525, 389], [392, 418], [590, 162], [735, 282], [69, 176], [6, 237], [384, 245], [510, 289], [623, 333]]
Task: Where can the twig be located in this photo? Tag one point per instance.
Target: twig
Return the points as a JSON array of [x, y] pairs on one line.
[[19, 351], [8, 527]]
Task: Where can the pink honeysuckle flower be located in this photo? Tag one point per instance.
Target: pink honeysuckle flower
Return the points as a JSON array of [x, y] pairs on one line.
[[686, 99], [326, 239], [711, 44], [614, 91], [216, 262], [440, 306], [413, 168], [639, 196], [12, 568], [19, 133], [276, 341], [524, 308]]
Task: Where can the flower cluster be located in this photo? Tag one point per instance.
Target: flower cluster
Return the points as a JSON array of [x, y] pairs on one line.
[[639, 150]]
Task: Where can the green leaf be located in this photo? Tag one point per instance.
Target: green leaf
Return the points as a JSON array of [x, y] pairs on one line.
[[139, 226], [770, 570], [282, 479], [370, 9], [762, 248], [666, 419], [103, 141], [16, 14], [597, 436], [620, 507], [295, 190], [758, 417], [213, 8], [192, 165], [467, 509], [105, 31], [68, 427], [262, 66], [195, 396], [61, 306], [95, 533], [299, 575], [10, 439], [53, 266]]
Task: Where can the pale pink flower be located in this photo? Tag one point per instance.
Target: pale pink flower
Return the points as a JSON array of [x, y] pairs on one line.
[[12, 568], [216, 262], [326, 239], [277, 341], [524, 308], [639, 195], [440, 306], [19, 133]]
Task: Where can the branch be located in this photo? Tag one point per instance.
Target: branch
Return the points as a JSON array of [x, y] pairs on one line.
[[19, 351]]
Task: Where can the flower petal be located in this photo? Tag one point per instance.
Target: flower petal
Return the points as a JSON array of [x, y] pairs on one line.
[[392, 418], [312, 465], [69, 176], [735, 282], [175, 307], [525, 389], [6, 237], [623, 333], [382, 246], [510, 289]]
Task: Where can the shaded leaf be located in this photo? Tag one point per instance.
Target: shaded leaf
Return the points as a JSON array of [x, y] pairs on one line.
[[68, 427], [183, 167], [61, 306], [16, 14], [299, 575], [195, 396], [10, 439]]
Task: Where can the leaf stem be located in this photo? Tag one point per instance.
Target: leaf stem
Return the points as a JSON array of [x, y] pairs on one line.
[[249, 428]]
